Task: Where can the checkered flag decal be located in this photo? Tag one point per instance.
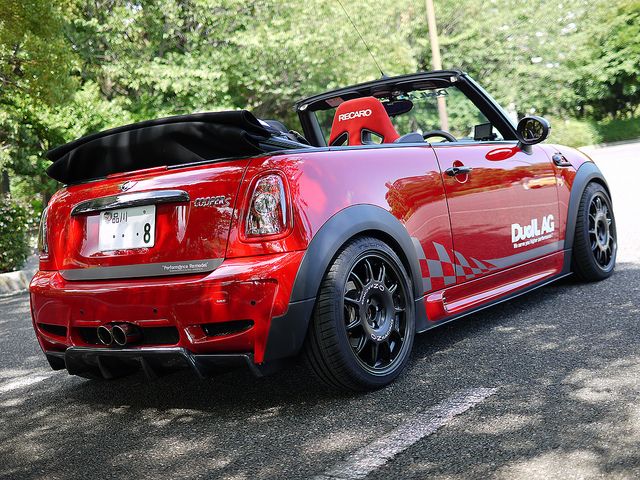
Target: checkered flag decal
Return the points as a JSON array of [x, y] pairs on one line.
[[441, 268]]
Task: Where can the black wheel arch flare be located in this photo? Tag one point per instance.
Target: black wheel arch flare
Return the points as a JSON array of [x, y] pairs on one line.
[[587, 172], [287, 332]]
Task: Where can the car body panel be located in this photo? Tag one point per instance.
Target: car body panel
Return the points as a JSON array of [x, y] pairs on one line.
[[412, 191], [254, 302], [254, 288], [74, 244], [497, 197]]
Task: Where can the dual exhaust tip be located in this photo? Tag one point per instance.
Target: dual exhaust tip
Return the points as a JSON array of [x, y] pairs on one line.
[[120, 333]]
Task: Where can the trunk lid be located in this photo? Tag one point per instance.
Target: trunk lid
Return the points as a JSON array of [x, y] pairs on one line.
[[187, 218]]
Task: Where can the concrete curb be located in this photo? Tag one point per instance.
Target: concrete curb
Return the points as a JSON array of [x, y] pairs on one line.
[[13, 282]]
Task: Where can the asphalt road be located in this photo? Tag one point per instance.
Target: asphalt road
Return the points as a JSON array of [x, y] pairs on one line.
[[545, 386]]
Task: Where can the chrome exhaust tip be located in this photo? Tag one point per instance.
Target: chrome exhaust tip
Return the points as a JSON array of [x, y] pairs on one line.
[[126, 333], [105, 334]]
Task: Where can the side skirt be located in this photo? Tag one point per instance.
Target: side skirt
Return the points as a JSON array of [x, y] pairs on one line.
[[564, 273]]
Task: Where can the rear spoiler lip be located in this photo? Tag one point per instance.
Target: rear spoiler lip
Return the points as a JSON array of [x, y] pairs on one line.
[[133, 199]]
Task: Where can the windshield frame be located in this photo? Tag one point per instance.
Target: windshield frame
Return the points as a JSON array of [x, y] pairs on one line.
[[475, 93]]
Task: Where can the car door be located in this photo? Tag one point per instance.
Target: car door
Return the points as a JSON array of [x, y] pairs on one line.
[[503, 205]]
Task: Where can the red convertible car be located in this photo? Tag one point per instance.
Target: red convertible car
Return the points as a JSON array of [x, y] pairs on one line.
[[217, 240]]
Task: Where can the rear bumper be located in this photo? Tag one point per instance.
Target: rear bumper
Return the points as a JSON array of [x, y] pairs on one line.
[[227, 314], [154, 362]]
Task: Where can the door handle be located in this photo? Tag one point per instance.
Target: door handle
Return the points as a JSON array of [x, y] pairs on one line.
[[560, 160], [455, 171]]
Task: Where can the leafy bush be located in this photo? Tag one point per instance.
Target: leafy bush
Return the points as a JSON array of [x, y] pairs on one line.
[[579, 133], [573, 133], [619, 130], [14, 235]]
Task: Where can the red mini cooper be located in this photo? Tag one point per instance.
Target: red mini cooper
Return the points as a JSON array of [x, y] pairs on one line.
[[217, 240]]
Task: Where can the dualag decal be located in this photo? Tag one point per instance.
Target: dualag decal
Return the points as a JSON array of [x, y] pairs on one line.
[[534, 232]]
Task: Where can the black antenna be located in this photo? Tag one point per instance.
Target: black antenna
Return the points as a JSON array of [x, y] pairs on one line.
[[365, 43]]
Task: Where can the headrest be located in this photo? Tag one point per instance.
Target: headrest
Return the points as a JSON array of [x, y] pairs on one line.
[[356, 119]]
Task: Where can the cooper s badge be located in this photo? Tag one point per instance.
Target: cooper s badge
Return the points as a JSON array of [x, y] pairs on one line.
[[219, 201]]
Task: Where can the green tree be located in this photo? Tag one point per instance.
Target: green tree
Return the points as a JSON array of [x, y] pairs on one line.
[[521, 52], [167, 57], [35, 62], [606, 78]]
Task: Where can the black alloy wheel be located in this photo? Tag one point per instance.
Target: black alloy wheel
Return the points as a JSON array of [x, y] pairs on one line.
[[363, 324], [595, 244], [375, 313], [601, 231]]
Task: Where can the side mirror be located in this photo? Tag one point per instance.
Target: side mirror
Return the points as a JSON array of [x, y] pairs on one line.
[[532, 130]]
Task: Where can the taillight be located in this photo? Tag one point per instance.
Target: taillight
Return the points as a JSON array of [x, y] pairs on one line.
[[267, 214], [43, 240]]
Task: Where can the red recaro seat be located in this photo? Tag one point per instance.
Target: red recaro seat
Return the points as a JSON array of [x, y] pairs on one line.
[[355, 120]]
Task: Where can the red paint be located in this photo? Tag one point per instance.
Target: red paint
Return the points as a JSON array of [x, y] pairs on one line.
[[183, 232], [471, 216], [564, 178], [475, 293], [496, 195], [502, 153], [184, 301]]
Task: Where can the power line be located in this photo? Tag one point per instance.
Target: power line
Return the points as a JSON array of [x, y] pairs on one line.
[[361, 38]]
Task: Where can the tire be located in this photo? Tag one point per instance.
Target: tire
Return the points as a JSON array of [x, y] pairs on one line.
[[363, 324], [595, 245]]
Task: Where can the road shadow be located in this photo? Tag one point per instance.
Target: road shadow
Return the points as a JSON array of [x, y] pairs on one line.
[[561, 357]]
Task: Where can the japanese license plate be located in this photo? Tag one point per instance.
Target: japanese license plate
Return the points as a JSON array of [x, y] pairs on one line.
[[127, 228]]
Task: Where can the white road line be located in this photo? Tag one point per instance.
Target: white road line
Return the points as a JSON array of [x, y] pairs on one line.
[[376, 454], [22, 382]]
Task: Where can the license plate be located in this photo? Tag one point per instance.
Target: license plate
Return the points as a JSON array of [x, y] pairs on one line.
[[127, 228]]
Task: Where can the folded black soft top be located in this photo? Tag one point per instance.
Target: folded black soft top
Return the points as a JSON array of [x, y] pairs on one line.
[[165, 141]]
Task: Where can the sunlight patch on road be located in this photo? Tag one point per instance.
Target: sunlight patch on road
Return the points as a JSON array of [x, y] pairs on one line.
[[22, 382], [378, 453]]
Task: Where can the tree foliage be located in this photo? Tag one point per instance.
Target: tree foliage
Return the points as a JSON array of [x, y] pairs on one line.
[[72, 67], [607, 72], [14, 228]]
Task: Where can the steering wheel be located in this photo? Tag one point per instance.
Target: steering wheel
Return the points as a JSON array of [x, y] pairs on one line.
[[439, 133]]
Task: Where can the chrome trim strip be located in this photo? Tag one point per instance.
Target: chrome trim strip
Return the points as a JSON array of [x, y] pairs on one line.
[[142, 270], [134, 199]]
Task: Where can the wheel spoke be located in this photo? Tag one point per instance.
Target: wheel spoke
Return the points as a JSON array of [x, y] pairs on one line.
[[357, 279], [387, 351], [355, 323], [368, 270], [383, 272], [352, 301], [375, 347], [376, 313], [361, 344]]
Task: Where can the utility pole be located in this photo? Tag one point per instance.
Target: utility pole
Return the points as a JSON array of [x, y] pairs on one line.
[[436, 62]]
